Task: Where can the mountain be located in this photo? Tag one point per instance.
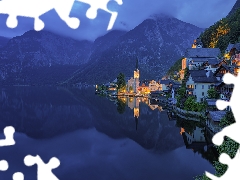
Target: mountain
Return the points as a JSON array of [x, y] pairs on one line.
[[234, 8], [3, 41], [157, 42], [41, 58], [223, 32]]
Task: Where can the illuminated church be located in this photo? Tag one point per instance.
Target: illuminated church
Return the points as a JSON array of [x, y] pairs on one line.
[[133, 83]]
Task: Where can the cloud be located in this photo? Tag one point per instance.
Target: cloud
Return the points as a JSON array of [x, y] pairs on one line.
[[201, 13]]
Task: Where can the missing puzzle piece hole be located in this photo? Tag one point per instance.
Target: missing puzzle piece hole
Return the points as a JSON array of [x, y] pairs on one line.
[[3, 165], [18, 176], [224, 158], [229, 78], [73, 23], [54, 162], [12, 22], [218, 139], [38, 24], [91, 13], [221, 105]]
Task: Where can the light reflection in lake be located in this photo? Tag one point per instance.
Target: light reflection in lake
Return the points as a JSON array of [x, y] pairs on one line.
[[92, 139]]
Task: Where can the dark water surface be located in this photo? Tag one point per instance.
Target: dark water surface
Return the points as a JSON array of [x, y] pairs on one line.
[[92, 140]]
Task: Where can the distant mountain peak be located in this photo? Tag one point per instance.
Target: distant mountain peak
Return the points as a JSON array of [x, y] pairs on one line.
[[234, 8], [158, 16]]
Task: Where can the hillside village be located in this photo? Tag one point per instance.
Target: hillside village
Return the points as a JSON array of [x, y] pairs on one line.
[[200, 82]]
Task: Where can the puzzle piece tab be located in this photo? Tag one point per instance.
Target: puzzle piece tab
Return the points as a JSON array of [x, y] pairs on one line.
[[230, 131], [36, 8], [18, 176], [8, 132], [101, 4], [232, 172], [3, 165], [44, 170]]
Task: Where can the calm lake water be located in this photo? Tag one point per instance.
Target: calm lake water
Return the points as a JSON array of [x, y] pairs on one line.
[[93, 141]]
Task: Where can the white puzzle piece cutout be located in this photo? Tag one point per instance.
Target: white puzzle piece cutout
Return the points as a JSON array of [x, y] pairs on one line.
[[231, 131], [3, 165], [232, 172], [18, 176], [44, 171], [36, 8], [9, 140], [101, 4]]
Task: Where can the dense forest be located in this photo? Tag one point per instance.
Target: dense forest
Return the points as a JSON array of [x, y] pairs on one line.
[[223, 32], [175, 68], [219, 35]]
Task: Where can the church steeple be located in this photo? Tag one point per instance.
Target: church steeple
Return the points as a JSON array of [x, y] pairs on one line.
[[136, 64]]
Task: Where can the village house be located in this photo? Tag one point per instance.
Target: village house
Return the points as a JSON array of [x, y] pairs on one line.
[[211, 105], [154, 86], [165, 85], [196, 56], [223, 69], [236, 63], [225, 90], [144, 88], [213, 120], [199, 82]]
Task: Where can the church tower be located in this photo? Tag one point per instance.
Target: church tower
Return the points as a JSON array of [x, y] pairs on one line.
[[136, 78]]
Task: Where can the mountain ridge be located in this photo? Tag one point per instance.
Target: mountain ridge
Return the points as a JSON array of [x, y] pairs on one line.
[[149, 41], [50, 56], [234, 8]]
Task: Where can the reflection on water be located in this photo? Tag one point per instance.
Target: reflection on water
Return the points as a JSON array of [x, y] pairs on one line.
[[95, 138]]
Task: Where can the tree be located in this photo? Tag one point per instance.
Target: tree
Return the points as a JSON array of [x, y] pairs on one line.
[[213, 94], [177, 66], [121, 82], [190, 104]]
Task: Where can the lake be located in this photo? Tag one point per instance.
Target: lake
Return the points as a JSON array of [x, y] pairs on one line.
[[96, 138]]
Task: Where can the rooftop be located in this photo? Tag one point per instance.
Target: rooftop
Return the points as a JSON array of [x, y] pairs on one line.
[[230, 46], [211, 102], [237, 46], [217, 115], [202, 52], [203, 76], [168, 81]]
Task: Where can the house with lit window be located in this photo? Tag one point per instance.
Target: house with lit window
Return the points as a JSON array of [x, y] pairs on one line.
[[236, 63], [154, 86], [225, 90], [199, 82], [196, 56], [144, 89], [165, 85], [221, 70]]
